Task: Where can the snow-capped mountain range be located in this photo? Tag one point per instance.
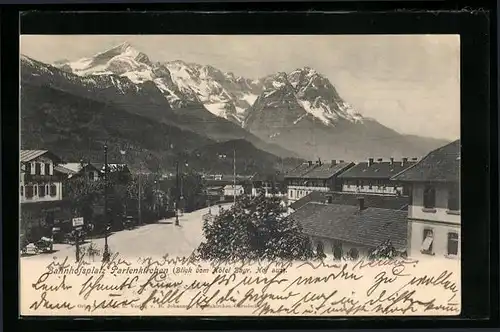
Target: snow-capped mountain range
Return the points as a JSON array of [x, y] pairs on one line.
[[299, 113], [222, 93]]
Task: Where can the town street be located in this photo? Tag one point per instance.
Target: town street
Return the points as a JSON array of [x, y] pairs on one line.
[[160, 238]]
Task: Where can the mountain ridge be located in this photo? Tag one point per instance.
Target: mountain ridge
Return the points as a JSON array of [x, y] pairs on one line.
[[299, 113]]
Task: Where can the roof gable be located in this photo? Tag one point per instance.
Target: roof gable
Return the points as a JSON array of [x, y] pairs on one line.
[[440, 165], [29, 155]]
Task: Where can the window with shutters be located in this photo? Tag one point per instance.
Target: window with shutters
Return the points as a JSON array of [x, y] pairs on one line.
[[29, 191], [427, 242], [452, 244], [47, 169], [429, 197], [38, 169], [41, 190], [53, 190]]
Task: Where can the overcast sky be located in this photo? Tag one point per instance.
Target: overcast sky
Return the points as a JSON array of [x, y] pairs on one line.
[[409, 83]]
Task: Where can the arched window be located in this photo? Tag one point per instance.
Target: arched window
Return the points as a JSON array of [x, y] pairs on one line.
[[354, 253]]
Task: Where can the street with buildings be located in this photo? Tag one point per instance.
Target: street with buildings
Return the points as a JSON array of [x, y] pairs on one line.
[[347, 209]]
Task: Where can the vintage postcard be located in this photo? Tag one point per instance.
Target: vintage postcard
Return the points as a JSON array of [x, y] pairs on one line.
[[240, 175]]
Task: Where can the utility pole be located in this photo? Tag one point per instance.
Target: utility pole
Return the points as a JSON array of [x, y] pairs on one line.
[[105, 255], [139, 196], [234, 175], [177, 194]]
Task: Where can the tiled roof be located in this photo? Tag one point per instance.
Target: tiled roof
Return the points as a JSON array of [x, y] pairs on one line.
[[378, 169], [29, 155], [369, 227], [440, 165], [344, 198], [299, 171], [317, 171]]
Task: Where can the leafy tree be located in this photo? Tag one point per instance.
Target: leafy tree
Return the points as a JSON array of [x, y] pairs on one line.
[[255, 228], [83, 194]]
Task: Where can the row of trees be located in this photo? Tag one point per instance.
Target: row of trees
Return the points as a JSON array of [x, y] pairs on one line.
[[125, 193]]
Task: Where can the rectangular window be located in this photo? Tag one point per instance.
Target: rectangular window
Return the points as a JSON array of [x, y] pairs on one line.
[[429, 197], [53, 190], [452, 244], [454, 198], [21, 190], [38, 169], [428, 238], [29, 191], [28, 168], [41, 190], [47, 169], [35, 190]]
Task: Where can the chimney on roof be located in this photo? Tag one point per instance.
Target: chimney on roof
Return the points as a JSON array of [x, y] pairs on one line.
[[392, 161], [310, 162], [361, 203], [370, 162], [334, 162], [405, 160], [380, 160]]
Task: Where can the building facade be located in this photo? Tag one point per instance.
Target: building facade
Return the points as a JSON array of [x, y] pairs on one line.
[[72, 170], [38, 182], [231, 190], [434, 212], [310, 177], [374, 177]]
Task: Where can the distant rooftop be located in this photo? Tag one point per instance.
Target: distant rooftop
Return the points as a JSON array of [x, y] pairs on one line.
[[440, 165], [377, 168], [316, 170], [390, 202]]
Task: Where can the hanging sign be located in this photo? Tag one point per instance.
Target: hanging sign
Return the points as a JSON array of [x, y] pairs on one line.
[[78, 222]]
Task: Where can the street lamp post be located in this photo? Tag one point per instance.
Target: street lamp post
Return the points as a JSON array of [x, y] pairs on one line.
[[106, 255], [177, 193]]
